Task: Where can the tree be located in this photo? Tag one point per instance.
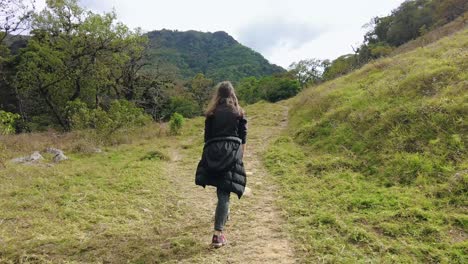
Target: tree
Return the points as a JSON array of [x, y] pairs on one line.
[[75, 54], [183, 105], [340, 66], [276, 88], [247, 90], [14, 16], [201, 88], [448, 10], [308, 71]]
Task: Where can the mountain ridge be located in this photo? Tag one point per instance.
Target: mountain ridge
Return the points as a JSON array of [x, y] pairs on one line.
[[215, 54]]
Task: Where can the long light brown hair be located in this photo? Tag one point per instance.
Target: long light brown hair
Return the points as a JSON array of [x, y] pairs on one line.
[[224, 94]]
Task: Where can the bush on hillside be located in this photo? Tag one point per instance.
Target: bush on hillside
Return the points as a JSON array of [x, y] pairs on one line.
[[121, 115], [79, 115], [176, 123], [7, 122], [272, 88], [184, 105]]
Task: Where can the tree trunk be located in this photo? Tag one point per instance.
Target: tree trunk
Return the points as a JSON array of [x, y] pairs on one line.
[[77, 92], [46, 96]]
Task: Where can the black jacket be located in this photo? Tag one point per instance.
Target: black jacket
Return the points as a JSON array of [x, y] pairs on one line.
[[225, 123], [221, 164]]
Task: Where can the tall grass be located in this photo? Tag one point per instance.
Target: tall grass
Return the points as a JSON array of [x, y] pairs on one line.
[[83, 141], [399, 117]]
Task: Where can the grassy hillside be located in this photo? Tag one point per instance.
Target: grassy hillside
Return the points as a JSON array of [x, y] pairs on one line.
[[373, 167], [217, 55]]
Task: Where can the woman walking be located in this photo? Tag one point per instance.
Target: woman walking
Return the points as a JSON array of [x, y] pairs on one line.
[[221, 163]]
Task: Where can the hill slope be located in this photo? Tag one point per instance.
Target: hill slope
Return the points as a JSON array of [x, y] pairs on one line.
[[217, 55], [374, 163]]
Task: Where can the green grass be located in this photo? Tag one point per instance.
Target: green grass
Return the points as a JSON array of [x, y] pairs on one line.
[[101, 207], [116, 206], [338, 215], [373, 165], [399, 117]]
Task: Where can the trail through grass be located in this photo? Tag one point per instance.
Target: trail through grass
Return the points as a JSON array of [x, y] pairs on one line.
[[138, 203]]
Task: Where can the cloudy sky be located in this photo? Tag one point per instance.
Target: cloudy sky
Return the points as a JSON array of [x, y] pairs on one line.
[[284, 31]]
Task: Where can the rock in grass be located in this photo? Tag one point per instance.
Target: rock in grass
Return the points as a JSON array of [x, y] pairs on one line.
[[58, 154], [97, 150], [247, 192], [34, 157]]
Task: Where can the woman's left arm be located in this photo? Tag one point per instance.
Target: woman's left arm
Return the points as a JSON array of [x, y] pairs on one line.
[[243, 132]]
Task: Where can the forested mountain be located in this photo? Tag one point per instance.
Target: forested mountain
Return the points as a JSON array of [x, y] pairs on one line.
[[217, 55]]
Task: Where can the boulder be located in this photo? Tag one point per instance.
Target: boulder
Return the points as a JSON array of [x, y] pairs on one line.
[[34, 157]]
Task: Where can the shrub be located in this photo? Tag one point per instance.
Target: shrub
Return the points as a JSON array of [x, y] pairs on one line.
[[184, 105], [121, 116], [270, 88], [175, 124], [79, 115], [7, 122]]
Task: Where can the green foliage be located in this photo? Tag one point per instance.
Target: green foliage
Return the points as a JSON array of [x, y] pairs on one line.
[[79, 115], [184, 105], [247, 90], [122, 115], [308, 71], [217, 55], [271, 88], [380, 49], [413, 18], [7, 122], [74, 54], [201, 89], [340, 66], [277, 88], [175, 124]]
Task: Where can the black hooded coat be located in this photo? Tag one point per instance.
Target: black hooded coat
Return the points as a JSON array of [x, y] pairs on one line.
[[221, 164]]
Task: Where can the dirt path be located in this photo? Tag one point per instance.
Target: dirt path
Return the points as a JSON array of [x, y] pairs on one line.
[[256, 230]]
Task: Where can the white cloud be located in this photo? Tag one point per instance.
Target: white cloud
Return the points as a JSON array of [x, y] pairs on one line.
[[267, 35]]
